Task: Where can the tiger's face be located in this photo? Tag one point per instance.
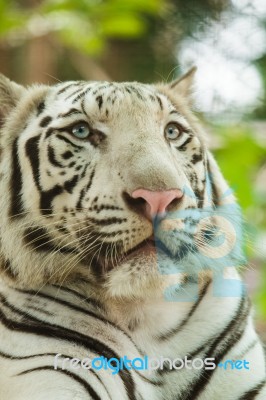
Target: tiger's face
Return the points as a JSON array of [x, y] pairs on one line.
[[100, 179]]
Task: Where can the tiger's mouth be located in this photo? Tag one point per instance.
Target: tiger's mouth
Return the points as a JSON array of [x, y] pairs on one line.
[[148, 248], [109, 257]]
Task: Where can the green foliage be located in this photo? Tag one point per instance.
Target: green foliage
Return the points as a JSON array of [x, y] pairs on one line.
[[241, 157], [260, 298], [260, 112], [82, 24], [11, 18]]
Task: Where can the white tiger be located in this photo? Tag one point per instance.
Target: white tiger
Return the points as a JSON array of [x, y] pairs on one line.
[[119, 239]]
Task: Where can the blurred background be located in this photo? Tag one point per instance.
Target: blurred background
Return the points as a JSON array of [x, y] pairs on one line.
[[156, 40]]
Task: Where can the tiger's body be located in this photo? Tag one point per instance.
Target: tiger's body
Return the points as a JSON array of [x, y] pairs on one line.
[[109, 211]]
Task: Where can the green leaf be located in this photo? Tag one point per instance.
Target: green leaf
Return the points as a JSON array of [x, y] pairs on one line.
[[123, 26]]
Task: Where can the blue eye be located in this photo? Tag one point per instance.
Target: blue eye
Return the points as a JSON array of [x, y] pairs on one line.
[[172, 131], [81, 130]]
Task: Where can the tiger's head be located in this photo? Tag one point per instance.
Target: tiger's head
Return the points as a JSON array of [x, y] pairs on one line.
[[110, 183]]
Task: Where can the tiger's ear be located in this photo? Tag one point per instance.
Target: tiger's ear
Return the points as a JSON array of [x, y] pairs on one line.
[[183, 85], [10, 94]]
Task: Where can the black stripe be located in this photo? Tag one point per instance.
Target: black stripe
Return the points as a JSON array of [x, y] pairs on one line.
[[78, 91], [71, 184], [12, 357], [41, 310], [47, 198], [247, 349], [45, 121], [35, 326], [174, 112], [61, 137], [39, 240], [233, 331], [183, 147], [105, 85], [88, 300], [85, 190], [215, 194], [180, 326], [49, 132], [196, 158], [228, 337], [99, 100], [160, 102], [8, 270], [134, 90], [72, 111], [75, 377], [105, 207], [83, 174], [190, 355], [73, 307], [32, 152], [199, 195], [68, 86], [107, 221], [83, 107], [81, 196], [16, 207], [80, 96], [40, 108], [252, 393], [83, 94], [52, 159]]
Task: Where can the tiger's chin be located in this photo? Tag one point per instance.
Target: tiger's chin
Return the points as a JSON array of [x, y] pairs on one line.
[[137, 273]]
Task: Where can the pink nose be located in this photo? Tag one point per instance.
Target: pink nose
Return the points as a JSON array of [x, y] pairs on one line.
[[157, 202]]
